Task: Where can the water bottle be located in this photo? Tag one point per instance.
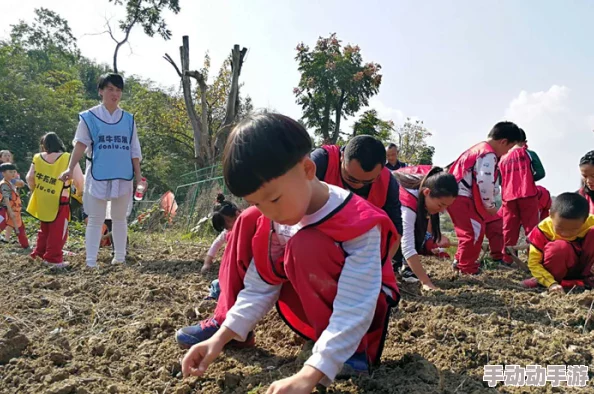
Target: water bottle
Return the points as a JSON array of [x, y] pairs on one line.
[[140, 189]]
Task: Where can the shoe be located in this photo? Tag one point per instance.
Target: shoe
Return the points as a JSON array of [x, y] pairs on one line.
[[56, 265], [458, 271], [531, 283], [115, 262], [189, 336], [357, 365], [408, 275], [250, 341], [92, 265]]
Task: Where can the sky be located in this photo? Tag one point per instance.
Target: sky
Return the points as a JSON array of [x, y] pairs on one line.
[[460, 66]]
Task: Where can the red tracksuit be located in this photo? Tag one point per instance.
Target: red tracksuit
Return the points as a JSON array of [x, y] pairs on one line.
[[494, 233], [545, 202], [586, 194], [306, 304], [468, 213], [52, 236], [519, 195]]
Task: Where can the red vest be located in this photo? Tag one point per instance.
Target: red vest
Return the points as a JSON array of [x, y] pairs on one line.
[[544, 199], [583, 192], [422, 169], [354, 219], [408, 200], [379, 189], [517, 180], [465, 163]]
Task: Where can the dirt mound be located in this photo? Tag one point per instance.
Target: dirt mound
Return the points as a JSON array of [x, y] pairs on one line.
[[111, 330]]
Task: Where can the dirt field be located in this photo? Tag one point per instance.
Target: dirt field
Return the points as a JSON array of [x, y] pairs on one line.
[[111, 331]]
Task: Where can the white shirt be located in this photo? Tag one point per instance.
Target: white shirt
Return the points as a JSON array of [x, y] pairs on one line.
[[217, 244], [409, 218], [485, 168], [105, 190], [359, 287]]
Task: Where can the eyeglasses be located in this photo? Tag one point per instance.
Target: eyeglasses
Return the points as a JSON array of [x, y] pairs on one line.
[[349, 178]]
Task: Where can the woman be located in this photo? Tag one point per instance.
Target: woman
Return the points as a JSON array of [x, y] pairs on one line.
[[108, 136], [587, 171], [424, 193], [50, 199]]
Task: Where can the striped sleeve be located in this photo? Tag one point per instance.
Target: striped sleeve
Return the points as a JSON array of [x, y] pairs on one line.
[[253, 302], [354, 306]]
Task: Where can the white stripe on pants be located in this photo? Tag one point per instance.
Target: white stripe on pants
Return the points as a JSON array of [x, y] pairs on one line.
[[95, 208]]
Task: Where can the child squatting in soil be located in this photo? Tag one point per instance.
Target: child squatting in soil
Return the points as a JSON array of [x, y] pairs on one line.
[[475, 170], [424, 193], [11, 205], [562, 246], [50, 199], [310, 250], [587, 170], [358, 168], [224, 215]]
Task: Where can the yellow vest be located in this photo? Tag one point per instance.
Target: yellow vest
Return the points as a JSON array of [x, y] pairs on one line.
[[45, 199]]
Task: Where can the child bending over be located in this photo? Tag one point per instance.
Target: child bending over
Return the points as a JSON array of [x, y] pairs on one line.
[[224, 215], [319, 252], [562, 246]]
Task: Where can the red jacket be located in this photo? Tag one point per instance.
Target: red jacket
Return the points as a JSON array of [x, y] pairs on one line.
[[517, 180], [466, 162], [379, 189], [585, 194]]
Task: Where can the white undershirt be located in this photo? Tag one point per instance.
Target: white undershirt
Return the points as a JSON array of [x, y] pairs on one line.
[[485, 168], [217, 244], [409, 218], [105, 190], [359, 286]]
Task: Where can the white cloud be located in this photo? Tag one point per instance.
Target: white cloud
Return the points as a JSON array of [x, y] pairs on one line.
[[556, 131]]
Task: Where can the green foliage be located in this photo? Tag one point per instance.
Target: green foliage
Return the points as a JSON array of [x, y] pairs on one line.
[[334, 84], [147, 13], [370, 124], [412, 142]]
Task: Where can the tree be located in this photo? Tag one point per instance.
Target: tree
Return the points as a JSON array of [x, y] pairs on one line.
[[334, 84], [209, 142], [147, 13], [412, 141], [370, 124]]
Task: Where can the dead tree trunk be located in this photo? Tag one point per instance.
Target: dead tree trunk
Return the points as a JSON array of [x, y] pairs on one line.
[[237, 58], [184, 74]]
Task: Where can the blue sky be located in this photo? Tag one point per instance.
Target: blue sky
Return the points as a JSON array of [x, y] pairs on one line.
[[460, 65]]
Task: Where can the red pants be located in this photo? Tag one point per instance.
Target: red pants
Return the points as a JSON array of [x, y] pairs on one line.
[[470, 230], [52, 237], [494, 233], [521, 212], [568, 261], [22, 233], [306, 300]]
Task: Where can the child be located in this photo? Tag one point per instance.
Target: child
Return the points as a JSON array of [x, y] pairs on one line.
[[319, 251], [423, 197], [519, 195], [7, 157], [544, 202], [50, 199], [10, 207], [224, 217], [587, 170], [392, 162], [562, 246], [475, 172]]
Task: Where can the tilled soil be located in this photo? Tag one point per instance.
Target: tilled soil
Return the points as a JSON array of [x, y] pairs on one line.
[[111, 330]]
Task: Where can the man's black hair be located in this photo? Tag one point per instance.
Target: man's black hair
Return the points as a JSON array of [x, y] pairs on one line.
[[523, 136], [570, 206], [262, 147], [115, 79], [7, 167], [392, 145], [506, 131], [369, 151]]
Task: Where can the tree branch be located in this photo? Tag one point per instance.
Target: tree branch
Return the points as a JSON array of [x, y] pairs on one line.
[[172, 62]]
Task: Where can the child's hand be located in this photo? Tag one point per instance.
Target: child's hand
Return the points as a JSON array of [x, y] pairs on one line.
[[66, 175], [207, 264], [303, 382], [429, 286], [556, 288], [199, 357], [492, 211]]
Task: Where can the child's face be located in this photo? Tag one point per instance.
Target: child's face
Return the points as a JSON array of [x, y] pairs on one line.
[[6, 157], [436, 204], [111, 94], [285, 200], [587, 171], [9, 175], [566, 228]]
